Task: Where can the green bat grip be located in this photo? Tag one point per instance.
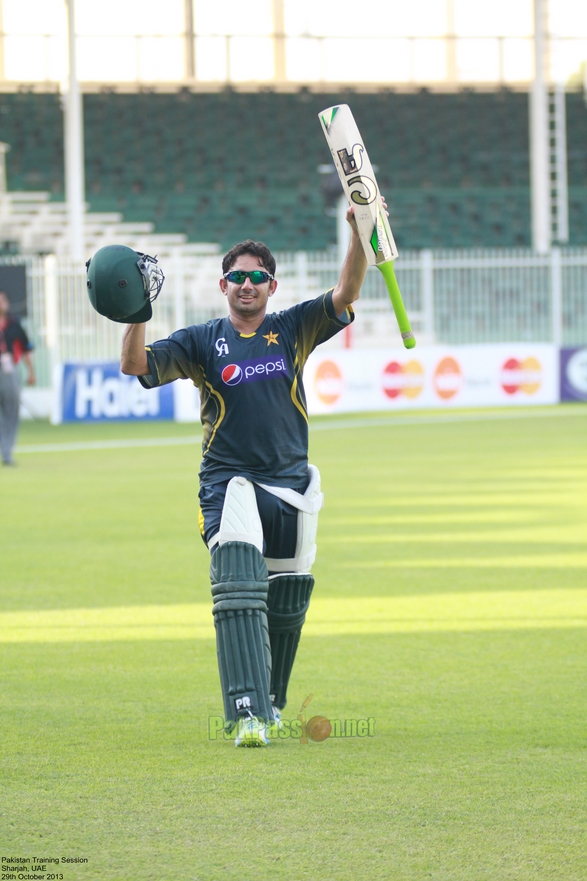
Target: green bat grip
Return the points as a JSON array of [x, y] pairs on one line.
[[395, 296]]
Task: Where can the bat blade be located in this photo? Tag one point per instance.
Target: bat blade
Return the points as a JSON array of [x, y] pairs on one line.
[[358, 181], [355, 171]]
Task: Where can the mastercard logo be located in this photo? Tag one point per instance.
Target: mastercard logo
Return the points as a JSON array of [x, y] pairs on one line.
[[521, 376], [403, 379], [448, 378], [232, 374], [328, 382]]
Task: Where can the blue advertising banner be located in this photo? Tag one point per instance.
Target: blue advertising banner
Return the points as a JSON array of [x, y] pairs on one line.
[[574, 374], [99, 392]]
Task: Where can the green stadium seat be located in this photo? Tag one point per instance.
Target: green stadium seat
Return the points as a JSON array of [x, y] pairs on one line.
[[194, 163]]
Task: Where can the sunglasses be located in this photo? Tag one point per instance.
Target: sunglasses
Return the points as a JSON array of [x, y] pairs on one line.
[[257, 276]]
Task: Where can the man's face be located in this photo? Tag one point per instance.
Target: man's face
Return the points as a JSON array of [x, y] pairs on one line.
[[247, 300], [4, 304]]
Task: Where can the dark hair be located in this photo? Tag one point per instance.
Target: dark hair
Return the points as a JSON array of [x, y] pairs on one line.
[[255, 249]]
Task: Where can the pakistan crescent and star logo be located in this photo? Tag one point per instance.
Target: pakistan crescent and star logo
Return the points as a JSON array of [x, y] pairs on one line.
[[271, 338]]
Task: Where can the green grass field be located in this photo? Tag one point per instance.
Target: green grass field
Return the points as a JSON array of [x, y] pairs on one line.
[[450, 607]]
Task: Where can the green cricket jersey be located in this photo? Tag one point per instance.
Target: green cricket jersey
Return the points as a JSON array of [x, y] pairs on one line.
[[252, 400]]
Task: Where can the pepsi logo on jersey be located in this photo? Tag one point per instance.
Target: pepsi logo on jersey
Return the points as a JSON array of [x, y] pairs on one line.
[[232, 374], [253, 371]]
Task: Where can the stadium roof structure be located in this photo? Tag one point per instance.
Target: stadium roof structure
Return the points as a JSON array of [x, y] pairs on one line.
[[285, 45]]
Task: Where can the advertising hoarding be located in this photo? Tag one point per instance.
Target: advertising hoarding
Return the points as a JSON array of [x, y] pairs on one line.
[[99, 392], [505, 374], [573, 374]]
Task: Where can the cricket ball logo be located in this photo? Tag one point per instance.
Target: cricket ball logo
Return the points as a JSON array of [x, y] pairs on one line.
[[521, 376], [403, 379], [317, 729], [448, 378], [232, 374]]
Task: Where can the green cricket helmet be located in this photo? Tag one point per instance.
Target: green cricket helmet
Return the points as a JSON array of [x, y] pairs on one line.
[[123, 283]]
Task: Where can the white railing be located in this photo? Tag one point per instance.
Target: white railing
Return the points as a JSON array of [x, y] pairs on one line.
[[452, 297]]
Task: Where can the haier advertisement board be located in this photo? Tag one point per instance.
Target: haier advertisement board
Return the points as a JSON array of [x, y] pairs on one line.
[[99, 392]]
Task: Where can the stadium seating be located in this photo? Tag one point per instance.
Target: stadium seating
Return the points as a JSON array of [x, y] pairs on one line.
[[221, 166]]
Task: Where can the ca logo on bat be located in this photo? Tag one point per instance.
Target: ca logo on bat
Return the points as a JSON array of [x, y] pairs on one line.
[[351, 162], [362, 190]]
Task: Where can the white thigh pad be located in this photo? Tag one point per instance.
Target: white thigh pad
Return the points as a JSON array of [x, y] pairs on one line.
[[240, 515], [308, 505]]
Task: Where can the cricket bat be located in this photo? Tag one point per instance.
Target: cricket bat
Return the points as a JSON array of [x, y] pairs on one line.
[[360, 187]]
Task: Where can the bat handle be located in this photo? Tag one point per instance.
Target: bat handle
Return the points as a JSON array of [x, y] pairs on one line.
[[395, 296]]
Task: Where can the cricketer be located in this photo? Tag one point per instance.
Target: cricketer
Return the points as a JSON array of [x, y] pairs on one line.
[[259, 497]]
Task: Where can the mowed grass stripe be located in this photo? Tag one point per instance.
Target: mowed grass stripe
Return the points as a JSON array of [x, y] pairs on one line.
[[513, 516], [506, 610], [333, 424], [571, 535], [121, 444], [530, 562]]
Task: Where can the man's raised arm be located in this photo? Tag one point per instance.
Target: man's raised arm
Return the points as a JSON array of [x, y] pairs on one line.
[[352, 274], [133, 359]]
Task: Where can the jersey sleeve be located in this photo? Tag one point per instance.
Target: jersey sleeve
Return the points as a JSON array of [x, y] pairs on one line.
[[318, 322], [173, 358], [26, 344]]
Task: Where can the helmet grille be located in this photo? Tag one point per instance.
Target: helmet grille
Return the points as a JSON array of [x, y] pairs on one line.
[[152, 274]]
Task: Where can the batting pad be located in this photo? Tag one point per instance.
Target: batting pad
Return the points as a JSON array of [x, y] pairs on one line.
[[239, 587], [287, 603]]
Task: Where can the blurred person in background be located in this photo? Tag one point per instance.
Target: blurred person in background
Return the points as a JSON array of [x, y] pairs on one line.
[[14, 346]]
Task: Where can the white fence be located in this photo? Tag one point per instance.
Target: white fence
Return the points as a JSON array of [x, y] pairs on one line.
[[452, 297]]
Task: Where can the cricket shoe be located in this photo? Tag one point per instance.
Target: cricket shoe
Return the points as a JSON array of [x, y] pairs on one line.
[[251, 731], [275, 725]]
